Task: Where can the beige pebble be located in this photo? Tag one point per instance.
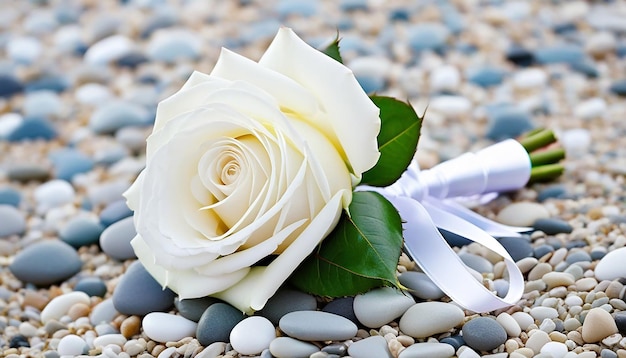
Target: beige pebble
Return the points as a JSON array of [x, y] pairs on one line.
[[612, 340], [511, 345], [539, 271], [557, 337], [78, 310], [558, 256], [405, 340], [621, 353], [523, 352], [130, 326], [395, 347], [576, 337], [598, 325], [509, 324], [35, 299], [614, 289], [522, 214], [555, 279], [586, 284], [537, 340], [527, 263]]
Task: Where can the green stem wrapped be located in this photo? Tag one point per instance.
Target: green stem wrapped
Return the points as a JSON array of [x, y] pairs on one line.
[[545, 173], [537, 140], [544, 157]]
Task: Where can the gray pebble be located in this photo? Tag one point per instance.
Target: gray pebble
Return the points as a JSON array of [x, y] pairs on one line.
[[420, 285], [193, 308], [287, 300], [217, 322], [46, 262], [115, 239], [81, 231], [483, 333], [13, 221], [317, 326], [552, 226], [138, 293], [289, 347], [374, 346]]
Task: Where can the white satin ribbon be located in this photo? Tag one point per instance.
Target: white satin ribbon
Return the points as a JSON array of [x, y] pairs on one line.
[[427, 200]]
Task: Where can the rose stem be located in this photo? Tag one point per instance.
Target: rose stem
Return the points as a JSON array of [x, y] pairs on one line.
[[544, 157], [538, 140], [545, 172]]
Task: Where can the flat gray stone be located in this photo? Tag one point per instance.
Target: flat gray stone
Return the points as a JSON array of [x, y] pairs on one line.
[[46, 262], [428, 350], [374, 346], [317, 326], [290, 347]]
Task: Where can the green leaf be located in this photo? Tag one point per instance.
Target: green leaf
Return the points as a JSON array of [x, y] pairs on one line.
[[332, 50], [397, 141], [361, 253]]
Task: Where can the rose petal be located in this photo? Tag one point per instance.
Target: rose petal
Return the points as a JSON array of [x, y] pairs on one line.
[[187, 283], [345, 103]]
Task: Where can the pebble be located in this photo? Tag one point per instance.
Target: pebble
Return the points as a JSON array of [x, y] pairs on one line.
[[13, 221], [483, 333], [103, 312], [476, 262], [598, 324], [554, 279], [530, 78], [105, 340], [486, 77], [114, 115], [450, 105], [172, 45], [92, 286], [287, 300], [108, 50], [317, 326], [9, 86], [286, 347], [114, 212], [60, 305], [427, 36], [32, 129], [72, 345], [115, 239], [165, 327], [509, 324], [81, 231], [252, 335], [610, 266], [374, 346], [425, 319], [342, 306], [507, 122], [537, 340], [217, 322], [420, 285], [539, 313], [193, 308], [137, 293], [518, 247], [370, 310], [522, 214], [552, 226], [52, 194], [46, 262], [428, 350], [69, 162]]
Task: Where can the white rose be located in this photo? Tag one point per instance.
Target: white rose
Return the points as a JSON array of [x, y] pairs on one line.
[[253, 160]]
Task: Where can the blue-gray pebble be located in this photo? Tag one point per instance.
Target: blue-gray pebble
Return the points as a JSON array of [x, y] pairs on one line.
[[115, 239], [217, 322], [193, 308], [483, 334], [114, 212], [46, 262], [287, 300], [518, 247], [344, 307], [13, 221], [317, 326], [81, 231], [552, 226], [10, 196], [92, 286], [138, 293]]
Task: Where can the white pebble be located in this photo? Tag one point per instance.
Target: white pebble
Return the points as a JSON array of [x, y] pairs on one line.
[[445, 78], [575, 141], [107, 339], [72, 345], [92, 94], [52, 194], [509, 324], [591, 109], [252, 335], [108, 50], [8, 123], [58, 306], [555, 349], [611, 265], [523, 319], [522, 214], [530, 78], [164, 327]]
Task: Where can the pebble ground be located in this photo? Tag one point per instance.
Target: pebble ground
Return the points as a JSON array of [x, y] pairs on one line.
[[79, 82]]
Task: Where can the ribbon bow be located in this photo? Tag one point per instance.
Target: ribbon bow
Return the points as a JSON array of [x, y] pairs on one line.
[[428, 199]]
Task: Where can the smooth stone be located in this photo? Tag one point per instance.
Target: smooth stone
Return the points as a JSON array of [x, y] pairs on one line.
[[483, 334], [114, 212], [93, 286], [46, 262], [112, 116], [551, 192], [339, 349], [252, 335], [33, 128], [555, 279], [42, 104], [618, 87], [374, 346], [560, 54], [420, 285], [486, 77], [428, 350], [287, 300], [381, 306], [60, 305], [577, 256], [456, 341], [108, 50], [287, 347], [317, 326], [507, 122], [172, 45], [193, 308], [598, 324], [115, 239], [217, 322], [590, 109], [69, 162], [427, 36], [28, 172], [509, 324], [555, 349], [9, 86], [477, 263], [52, 194], [9, 196], [537, 340], [522, 214], [8, 123], [530, 78], [552, 226], [51, 82], [72, 345], [81, 231], [93, 94], [620, 321], [138, 293], [453, 239], [286, 8], [13, 221], [450, 106], [426, 319], [445, 78], [542, 250], [611, 266], [106, 339], [517, 247], [343, 306], [539, 313], [103, 312], [165, 327]]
